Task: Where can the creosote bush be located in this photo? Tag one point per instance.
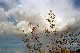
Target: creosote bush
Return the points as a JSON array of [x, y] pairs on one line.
[[55, 41]]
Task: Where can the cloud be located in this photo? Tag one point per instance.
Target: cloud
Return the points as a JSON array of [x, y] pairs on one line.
[[17, 52], [65, 13], [8, 4], [12, 51], [35, 12], [63, 9]]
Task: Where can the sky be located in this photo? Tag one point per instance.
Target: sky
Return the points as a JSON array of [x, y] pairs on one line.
[[16, 14]]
